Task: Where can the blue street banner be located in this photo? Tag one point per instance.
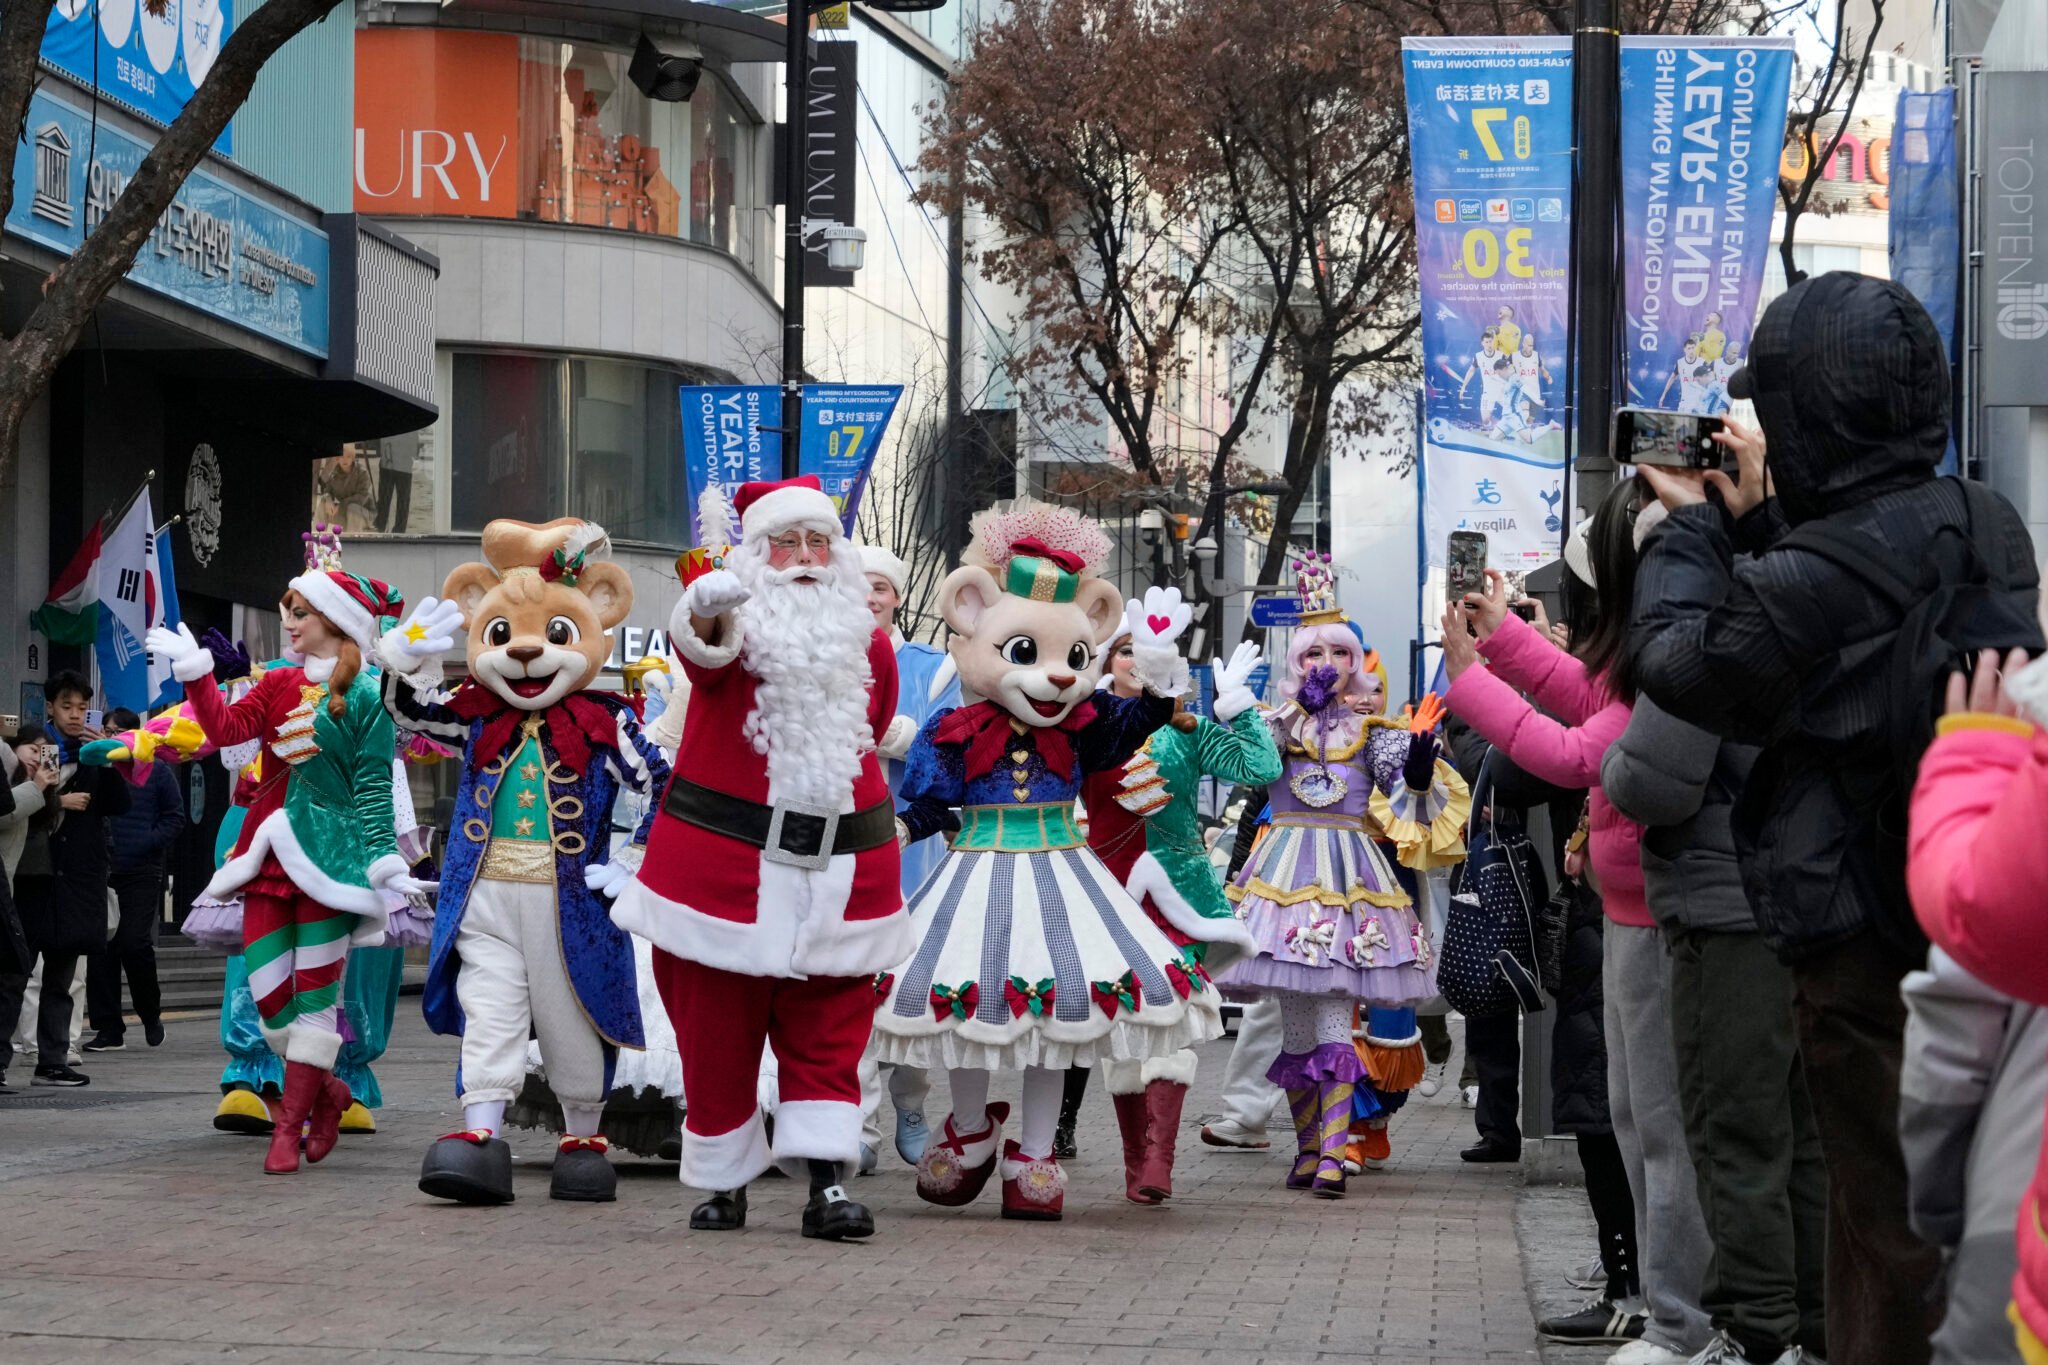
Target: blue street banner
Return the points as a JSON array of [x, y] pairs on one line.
[[1490, 138], [152, 63], [843, 425], [1702, 126], [723, 439], [1926, 238]]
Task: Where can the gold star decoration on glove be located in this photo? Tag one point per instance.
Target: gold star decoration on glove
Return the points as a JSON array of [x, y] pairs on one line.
[[415, 633]]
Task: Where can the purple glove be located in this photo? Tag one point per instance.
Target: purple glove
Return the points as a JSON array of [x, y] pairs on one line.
[[1419, 770], [1318, 689], [230, 657]]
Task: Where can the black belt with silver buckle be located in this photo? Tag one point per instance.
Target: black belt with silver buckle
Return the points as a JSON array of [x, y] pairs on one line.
[[801, 836]]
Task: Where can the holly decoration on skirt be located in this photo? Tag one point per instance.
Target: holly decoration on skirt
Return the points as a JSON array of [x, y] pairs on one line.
[[1125, 991], [883, 981], [1023, 995], [1183, 980], [958, 1000]]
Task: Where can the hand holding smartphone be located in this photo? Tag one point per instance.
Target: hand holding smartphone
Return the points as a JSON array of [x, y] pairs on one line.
[[1464, 569], [1669, 440]]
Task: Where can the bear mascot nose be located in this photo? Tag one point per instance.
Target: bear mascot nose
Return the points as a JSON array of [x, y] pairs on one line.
[[525, 654]]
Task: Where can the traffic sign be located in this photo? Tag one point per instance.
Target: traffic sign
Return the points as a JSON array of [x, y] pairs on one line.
[[1276, 613]]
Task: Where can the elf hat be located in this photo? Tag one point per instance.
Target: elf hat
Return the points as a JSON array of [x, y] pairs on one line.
[[875, 559], [768, 509], [360, 608]]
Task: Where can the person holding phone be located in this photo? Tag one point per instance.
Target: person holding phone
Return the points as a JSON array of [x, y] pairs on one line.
[[60, 888]]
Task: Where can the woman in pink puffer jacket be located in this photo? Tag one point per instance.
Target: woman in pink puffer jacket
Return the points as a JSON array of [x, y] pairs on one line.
[[1977, 868], [1588, 697]]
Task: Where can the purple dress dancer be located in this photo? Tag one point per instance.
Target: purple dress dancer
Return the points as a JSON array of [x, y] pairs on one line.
[[1334, 926]]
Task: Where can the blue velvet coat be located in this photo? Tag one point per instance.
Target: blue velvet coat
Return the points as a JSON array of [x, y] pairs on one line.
[[598, 953]]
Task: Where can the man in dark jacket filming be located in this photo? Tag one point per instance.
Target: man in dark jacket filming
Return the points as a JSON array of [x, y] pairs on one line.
[[1851, 386]]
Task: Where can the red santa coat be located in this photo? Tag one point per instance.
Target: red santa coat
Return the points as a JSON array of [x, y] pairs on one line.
[[718, 901]]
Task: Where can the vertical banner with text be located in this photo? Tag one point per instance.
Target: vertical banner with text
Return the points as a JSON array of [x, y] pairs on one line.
[[723, 442], [843, 425], [1490, 136], [1702, 124]]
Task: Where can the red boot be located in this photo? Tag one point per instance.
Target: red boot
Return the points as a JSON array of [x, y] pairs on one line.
[[1034, 1188], [301, 1089], [1162, 1100], [329, 1104], [1131, 1122]]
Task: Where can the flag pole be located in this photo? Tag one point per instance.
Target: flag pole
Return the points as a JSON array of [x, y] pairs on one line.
[[178, 520], [114, 517]]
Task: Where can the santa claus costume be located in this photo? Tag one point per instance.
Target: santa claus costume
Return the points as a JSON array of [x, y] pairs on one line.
[[770, 887], [317, 855]]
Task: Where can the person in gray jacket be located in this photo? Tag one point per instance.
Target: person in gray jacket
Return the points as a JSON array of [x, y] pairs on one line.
[[1756, 1152], [1970, 1100]]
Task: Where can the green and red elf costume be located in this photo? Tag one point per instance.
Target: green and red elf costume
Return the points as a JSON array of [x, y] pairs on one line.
[[316, 849]]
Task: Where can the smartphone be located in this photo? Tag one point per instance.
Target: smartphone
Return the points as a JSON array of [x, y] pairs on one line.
[[94, 719], [49, 757], [1465, 564], [1677, 440], [1516, 581]]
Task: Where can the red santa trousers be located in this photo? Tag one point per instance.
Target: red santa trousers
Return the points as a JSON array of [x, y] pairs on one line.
[[818, 1026]]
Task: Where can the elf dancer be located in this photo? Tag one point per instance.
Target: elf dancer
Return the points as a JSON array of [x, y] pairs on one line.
[[770, 887], [316, 854], [926, 683], [1142, 824], [522, 944], [1031, 956], [1333, 924]]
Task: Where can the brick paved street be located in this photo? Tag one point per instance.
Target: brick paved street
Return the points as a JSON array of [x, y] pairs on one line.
[[134, 1232]]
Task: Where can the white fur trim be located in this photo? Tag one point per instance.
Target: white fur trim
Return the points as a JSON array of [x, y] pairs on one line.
[[1412, 1040], [821, 1130], [1148, 878], [275, 835], [877, 559], [337, 606], [1162, 672], [786, 507], [727, 1161], [313, 1046], [800, 930], [948, 673], [1132, 1078]]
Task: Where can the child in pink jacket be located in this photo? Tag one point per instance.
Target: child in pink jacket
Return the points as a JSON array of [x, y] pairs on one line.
[[1977, 868]]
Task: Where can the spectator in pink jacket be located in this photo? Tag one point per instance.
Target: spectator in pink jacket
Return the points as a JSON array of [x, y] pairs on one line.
[[1587, 695], [1977, 868]]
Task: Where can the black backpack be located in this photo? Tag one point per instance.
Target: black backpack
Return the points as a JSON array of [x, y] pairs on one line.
[[1970, 607]]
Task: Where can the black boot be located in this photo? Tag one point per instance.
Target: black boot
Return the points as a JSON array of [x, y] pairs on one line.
[[830, 1214], [724, 1211], [469, 1168], [582, 1173], [1074, 1091]]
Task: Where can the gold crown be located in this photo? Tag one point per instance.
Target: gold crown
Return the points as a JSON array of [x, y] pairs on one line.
[[1315, 582]]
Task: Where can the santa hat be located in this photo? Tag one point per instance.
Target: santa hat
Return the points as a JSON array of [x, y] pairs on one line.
[[876, 560], [767, 509], [360, 608]]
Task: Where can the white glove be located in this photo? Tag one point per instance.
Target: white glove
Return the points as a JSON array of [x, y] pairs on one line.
[[715, 594], [1233, 698], [897, 739], [428, 633], [389, 875], [1157, 622], [189, 660], [607, 879]]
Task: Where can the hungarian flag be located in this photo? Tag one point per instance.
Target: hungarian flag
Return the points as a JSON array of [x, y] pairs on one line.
[[71, 613]]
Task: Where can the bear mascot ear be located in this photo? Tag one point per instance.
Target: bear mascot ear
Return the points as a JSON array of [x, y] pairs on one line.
[[966, 595], [1104, 605], [466, 587], [610, 590]]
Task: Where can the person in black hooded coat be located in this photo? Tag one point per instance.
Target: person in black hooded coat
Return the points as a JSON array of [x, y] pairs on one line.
[[1851, 386]]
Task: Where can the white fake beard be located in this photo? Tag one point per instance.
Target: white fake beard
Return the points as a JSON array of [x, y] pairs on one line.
[[807, 647]]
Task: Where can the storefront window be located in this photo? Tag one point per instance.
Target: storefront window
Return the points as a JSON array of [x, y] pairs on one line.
[[596, 151]]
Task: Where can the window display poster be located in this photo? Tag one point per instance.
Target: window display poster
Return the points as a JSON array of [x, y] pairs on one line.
[[1702, 126], [1489, 123]]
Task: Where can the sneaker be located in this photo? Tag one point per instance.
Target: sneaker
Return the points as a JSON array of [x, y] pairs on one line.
[[1433, 1078], [1600, 1322], [5, 1088], [60, 1075], [1722, 1350], [153, 1033], [1471, 1097], [1799, 1355], [1591, 1275], [105, 1042], [1231, 1133], [72, 1058], [1646, 1353], [869, 1158], [912, 1134]]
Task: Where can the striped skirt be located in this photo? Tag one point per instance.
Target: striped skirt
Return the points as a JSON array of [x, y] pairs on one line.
[[1037, 958]]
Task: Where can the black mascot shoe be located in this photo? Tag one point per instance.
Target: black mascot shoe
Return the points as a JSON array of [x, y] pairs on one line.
[[582, 1174], [469, 1168], [724, 1211], [830, 1214]]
